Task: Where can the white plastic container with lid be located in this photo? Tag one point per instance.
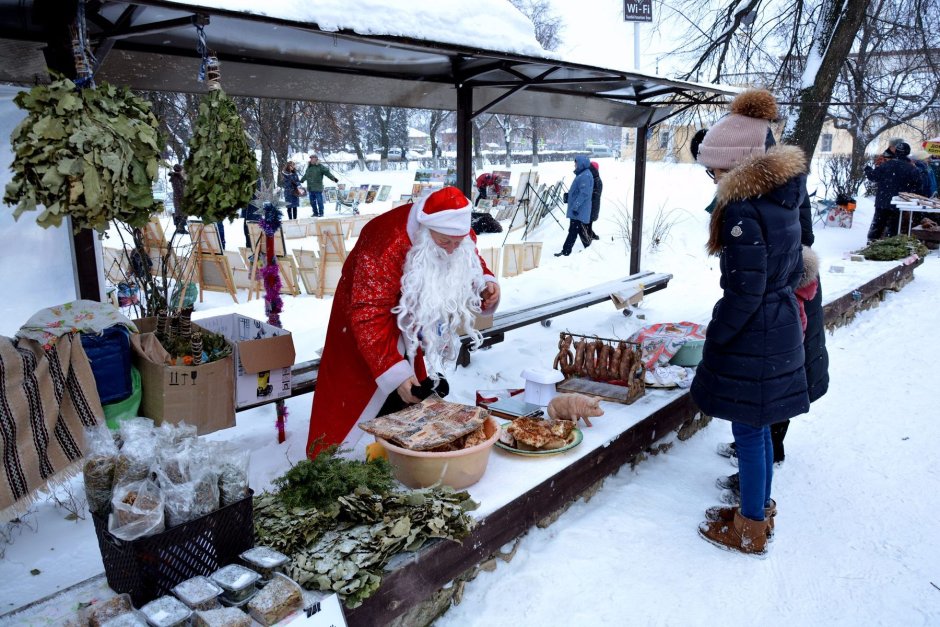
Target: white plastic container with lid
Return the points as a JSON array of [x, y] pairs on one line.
[[199, 593], [236, 581], [265, 560], [167, 611], [540, 385]]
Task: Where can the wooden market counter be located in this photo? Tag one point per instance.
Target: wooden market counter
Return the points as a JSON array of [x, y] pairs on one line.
[[517, 493], [414, 593]]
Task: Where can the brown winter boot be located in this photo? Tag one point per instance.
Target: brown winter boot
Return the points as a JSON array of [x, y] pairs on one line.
[[741, 534], [726, 514]]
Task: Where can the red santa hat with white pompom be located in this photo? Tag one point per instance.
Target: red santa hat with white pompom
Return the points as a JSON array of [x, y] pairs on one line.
[[446, 211]]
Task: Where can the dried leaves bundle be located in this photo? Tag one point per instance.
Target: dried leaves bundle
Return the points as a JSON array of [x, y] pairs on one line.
[[90, 154]]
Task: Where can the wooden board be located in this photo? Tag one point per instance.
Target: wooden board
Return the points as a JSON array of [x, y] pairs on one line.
[[606, 391]]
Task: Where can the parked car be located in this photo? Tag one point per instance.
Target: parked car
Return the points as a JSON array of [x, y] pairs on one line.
[[600, 152]]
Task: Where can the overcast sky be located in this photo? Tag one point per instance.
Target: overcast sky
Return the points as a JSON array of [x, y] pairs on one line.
[[595, 33]]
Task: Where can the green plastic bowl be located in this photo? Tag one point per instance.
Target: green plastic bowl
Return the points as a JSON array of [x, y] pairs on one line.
[[689, 355]]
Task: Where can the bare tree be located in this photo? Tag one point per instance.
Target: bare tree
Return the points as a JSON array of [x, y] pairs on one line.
[[892, 78], [740, 42], [435, 121], [177, 115]]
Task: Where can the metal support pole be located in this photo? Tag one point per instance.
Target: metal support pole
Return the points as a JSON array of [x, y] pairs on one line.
[[465, 139], [639, 182]]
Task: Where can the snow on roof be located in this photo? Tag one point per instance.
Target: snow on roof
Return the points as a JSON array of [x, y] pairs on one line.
[[503, 28], [415, 133]]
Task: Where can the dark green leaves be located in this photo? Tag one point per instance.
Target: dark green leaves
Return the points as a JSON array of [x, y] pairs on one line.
[[90, 154], [221, 166]]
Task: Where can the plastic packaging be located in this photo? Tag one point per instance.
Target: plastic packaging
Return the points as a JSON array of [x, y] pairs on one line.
[[191, 499], [167, 611], [100, 454], [223, 617], [100, 612], [130, 619], [237, 582], [199, 593], [137, 510], [279, 598], [265, 561]]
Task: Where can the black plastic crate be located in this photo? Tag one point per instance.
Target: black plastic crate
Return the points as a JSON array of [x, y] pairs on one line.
[[150, 567]]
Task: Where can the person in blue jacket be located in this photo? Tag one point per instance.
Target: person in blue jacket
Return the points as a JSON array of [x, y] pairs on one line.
[[579, 205], [752, 370]]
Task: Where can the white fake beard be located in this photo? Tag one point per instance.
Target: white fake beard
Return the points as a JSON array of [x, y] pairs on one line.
[[440, 297]]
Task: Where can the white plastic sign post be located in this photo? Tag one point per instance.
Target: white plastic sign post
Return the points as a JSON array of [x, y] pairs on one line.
[[327, 612]]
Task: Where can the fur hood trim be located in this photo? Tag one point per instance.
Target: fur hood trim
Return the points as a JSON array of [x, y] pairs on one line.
[[760, 174], [755, 176], [810, 266]]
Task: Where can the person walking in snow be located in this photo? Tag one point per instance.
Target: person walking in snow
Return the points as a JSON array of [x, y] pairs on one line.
[[751, 371], [579, 205], [411, 285], [313, 177], [595, 200], [290, 180]]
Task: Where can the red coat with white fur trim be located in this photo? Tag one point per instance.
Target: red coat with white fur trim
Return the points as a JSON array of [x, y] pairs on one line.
[[362, 361]]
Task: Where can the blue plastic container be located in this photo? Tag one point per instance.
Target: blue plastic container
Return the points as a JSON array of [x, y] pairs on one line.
[[110, 357]]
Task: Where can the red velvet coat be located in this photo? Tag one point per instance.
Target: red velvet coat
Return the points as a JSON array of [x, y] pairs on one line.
[[362, 361]]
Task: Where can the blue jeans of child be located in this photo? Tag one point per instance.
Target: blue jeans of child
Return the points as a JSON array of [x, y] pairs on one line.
[[756, 467], [316, 201]]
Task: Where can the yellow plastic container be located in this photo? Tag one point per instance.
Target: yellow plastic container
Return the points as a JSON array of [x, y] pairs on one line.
[[457, 469]]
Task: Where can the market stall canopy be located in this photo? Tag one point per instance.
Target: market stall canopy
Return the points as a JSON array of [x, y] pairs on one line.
[[387, 52]]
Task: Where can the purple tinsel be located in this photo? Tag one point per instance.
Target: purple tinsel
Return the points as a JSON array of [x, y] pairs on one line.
[[270, 223]]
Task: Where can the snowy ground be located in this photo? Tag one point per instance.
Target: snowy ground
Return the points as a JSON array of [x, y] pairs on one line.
[[853, 542]]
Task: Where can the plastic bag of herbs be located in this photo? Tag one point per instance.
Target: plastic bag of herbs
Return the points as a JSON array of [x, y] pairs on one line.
[[89, 154]]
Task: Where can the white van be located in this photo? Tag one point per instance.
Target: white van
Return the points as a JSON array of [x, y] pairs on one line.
[[600, 152]]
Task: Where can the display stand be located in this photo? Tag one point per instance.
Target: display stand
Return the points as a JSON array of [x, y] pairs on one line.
[[535, 206], [286, 267], [332, 249], [213, 272]]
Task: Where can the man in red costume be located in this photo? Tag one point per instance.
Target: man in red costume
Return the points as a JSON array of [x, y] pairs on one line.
[[412, 283]]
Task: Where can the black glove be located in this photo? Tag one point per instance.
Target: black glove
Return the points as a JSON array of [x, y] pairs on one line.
[[564, 197]]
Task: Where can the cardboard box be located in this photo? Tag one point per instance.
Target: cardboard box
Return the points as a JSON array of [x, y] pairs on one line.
[[263, 355], [201, 395], [482, 323], [627, 297]]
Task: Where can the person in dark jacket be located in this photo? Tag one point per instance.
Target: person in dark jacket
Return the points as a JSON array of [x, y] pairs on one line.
[[752, 365], [291, 181], [816, 359], [595, 200], [579, 204], [893, 176]]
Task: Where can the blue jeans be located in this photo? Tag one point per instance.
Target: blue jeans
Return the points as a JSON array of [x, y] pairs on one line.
[[316, 201], [756, 467]]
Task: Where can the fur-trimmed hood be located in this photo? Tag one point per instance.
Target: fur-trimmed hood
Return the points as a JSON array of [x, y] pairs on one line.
[[759, 174], [755, 176]]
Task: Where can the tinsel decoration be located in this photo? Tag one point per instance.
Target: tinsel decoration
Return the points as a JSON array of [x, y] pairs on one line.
[[270, 223], [196, 344]]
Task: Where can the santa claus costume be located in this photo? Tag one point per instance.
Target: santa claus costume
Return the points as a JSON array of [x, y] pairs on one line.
[[366, 355]]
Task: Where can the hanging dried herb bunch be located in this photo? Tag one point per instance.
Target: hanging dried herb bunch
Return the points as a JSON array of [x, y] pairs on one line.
[[221, 165], [90, 154]]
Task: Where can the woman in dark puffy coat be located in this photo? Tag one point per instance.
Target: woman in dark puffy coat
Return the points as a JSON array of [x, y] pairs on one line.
[[752, 366], [595, 200], [291, 181]]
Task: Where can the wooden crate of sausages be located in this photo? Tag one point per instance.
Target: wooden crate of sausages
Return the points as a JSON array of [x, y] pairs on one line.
[[608, 368]]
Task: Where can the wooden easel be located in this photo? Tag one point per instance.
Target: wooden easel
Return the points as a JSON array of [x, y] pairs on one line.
[[213, 271], [285, 265], [332, 249]]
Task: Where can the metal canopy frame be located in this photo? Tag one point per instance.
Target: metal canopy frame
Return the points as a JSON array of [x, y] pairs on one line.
[[151, 45]]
